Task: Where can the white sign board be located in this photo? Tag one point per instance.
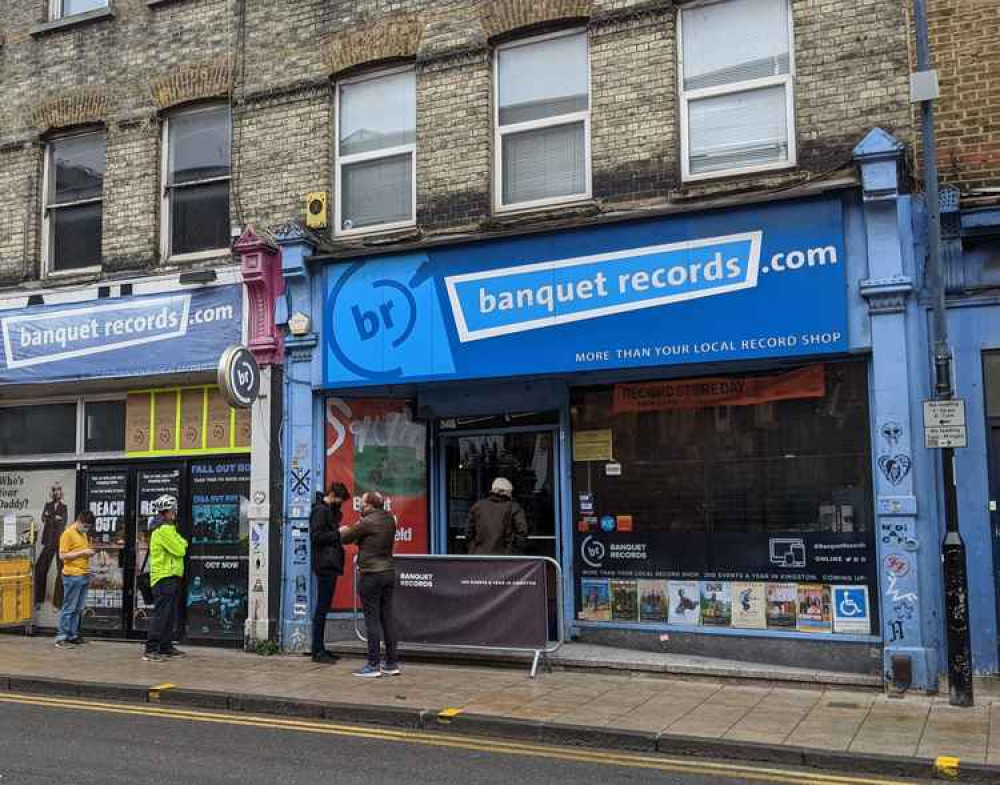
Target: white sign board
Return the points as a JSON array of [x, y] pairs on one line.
[[10, 530], [944, 424]]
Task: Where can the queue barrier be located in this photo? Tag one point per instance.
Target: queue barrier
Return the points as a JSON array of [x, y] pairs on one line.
[[475, 603]]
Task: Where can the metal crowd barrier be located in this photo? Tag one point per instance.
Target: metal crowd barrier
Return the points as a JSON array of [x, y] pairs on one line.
[[539, 653]]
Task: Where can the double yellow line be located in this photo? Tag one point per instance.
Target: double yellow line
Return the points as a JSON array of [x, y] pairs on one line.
[[662, 763]]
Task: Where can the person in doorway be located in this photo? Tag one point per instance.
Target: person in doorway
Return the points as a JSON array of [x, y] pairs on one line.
[[74, 552], [497, 524], [327, 561], [166, 558], [54, 516], [375, 535]]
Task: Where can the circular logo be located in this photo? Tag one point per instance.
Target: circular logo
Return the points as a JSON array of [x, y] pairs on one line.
[[592, 552], [608, 523], [239, 377]]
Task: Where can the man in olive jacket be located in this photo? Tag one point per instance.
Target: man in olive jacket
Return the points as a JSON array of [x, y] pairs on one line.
[[497, 524], [327, 561]]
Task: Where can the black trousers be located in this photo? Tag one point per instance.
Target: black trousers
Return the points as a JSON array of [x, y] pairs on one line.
[[164, 621], [325, 586], [376, 598]]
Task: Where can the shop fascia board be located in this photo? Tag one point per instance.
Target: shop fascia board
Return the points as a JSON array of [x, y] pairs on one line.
[[761, 197]]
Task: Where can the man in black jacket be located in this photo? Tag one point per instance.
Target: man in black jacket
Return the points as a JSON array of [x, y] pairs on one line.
[[327, 561], [497, 524]]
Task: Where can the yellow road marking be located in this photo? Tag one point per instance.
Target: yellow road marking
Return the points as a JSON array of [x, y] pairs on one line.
[[424, 738]]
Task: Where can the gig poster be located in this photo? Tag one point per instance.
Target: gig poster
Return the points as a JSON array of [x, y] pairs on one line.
[[150, 485], [107, 498], [218, 550], [374, 444]]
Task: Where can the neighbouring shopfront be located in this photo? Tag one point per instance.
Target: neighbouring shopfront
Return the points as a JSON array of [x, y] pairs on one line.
[[692, 409], [106, 404]]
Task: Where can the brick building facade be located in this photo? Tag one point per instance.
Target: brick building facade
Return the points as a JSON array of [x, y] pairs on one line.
[[126, 70]]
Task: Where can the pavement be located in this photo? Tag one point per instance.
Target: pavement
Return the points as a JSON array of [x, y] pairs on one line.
[[847, 728]]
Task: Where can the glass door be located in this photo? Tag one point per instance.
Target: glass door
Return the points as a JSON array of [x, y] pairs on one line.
[[525, 457], [106, 494], [151, 482]]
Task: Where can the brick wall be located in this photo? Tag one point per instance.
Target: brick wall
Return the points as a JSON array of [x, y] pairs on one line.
[[965, 44], [276, 62]]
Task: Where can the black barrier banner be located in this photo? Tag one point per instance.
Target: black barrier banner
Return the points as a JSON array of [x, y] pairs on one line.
[[469, 601]]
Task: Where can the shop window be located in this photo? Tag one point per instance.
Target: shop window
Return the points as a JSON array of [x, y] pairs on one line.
[[104, 426], [757, 483], [991, 362], [74, 174], [196, 181], [60, 9], [44, 429], [542, 143], [376, 148], [737, 107]]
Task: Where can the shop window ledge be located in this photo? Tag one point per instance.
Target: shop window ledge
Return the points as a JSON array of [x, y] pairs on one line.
[[76, 20], [155, 3]]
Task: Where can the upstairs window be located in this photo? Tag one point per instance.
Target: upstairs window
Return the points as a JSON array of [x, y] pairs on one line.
[[376, 148], [737, 108], [74, 185], [60, 9], [542, 143], [196, 177]]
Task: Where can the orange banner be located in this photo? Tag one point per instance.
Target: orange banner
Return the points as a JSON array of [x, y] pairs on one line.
[[809, 382]]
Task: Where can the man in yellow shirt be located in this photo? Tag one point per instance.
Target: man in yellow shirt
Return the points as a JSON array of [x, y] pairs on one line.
[[75, 553]]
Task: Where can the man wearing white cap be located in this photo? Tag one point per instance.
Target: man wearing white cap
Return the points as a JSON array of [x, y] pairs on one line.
[[497, 525]]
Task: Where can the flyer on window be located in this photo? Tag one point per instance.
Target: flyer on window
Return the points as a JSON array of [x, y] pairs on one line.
[[815, 613], [749, 600], [653, 599], [624, 601], [781, 605], [685, 603], [595, 600], [716, 603]]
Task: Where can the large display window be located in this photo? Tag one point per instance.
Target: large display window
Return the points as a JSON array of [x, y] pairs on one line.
[[728, 501]]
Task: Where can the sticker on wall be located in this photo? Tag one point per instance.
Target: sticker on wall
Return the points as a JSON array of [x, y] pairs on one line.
[[685, 603], [613, 470], [653, 599], [716, 603], [624, 523], [851, 614], [814, 613], [748, 605], [608, 523], [595, 600]]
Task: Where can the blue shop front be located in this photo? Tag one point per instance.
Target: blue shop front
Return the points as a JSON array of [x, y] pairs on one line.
[[705, 416]]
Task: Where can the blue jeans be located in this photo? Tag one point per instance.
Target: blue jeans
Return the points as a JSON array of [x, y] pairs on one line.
[[74, 600]]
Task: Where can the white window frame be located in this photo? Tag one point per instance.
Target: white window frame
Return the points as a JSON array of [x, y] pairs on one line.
[[785, 80], [56, 10], [532, 125], [373, 155], [48, 182], [166, 229]]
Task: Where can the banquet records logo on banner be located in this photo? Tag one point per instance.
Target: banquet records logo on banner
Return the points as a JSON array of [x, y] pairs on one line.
[[592, 552]]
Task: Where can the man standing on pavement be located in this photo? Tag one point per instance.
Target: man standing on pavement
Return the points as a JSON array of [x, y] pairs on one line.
[[327, 561], [497, 524], [75, 553], [375, 535], [54, 517], [166, 558]]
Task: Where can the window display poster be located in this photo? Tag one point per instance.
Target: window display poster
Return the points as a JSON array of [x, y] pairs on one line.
[[653, 599], [685, 603], [43, 501], [596, 604], [748, 605], [150, 485], [218, 564], [815, 614], [716, 603], [374, 444], [107, 498], [624, 601], [782, 599]]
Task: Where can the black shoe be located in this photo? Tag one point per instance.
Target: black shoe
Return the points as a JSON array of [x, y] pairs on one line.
[[173, 652], [79, 641], [325, 657]]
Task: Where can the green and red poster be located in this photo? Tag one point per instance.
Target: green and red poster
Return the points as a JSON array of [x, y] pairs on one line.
[[374, 444]]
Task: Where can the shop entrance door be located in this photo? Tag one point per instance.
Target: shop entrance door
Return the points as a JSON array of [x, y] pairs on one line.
[[525, 457], [994, 503]]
